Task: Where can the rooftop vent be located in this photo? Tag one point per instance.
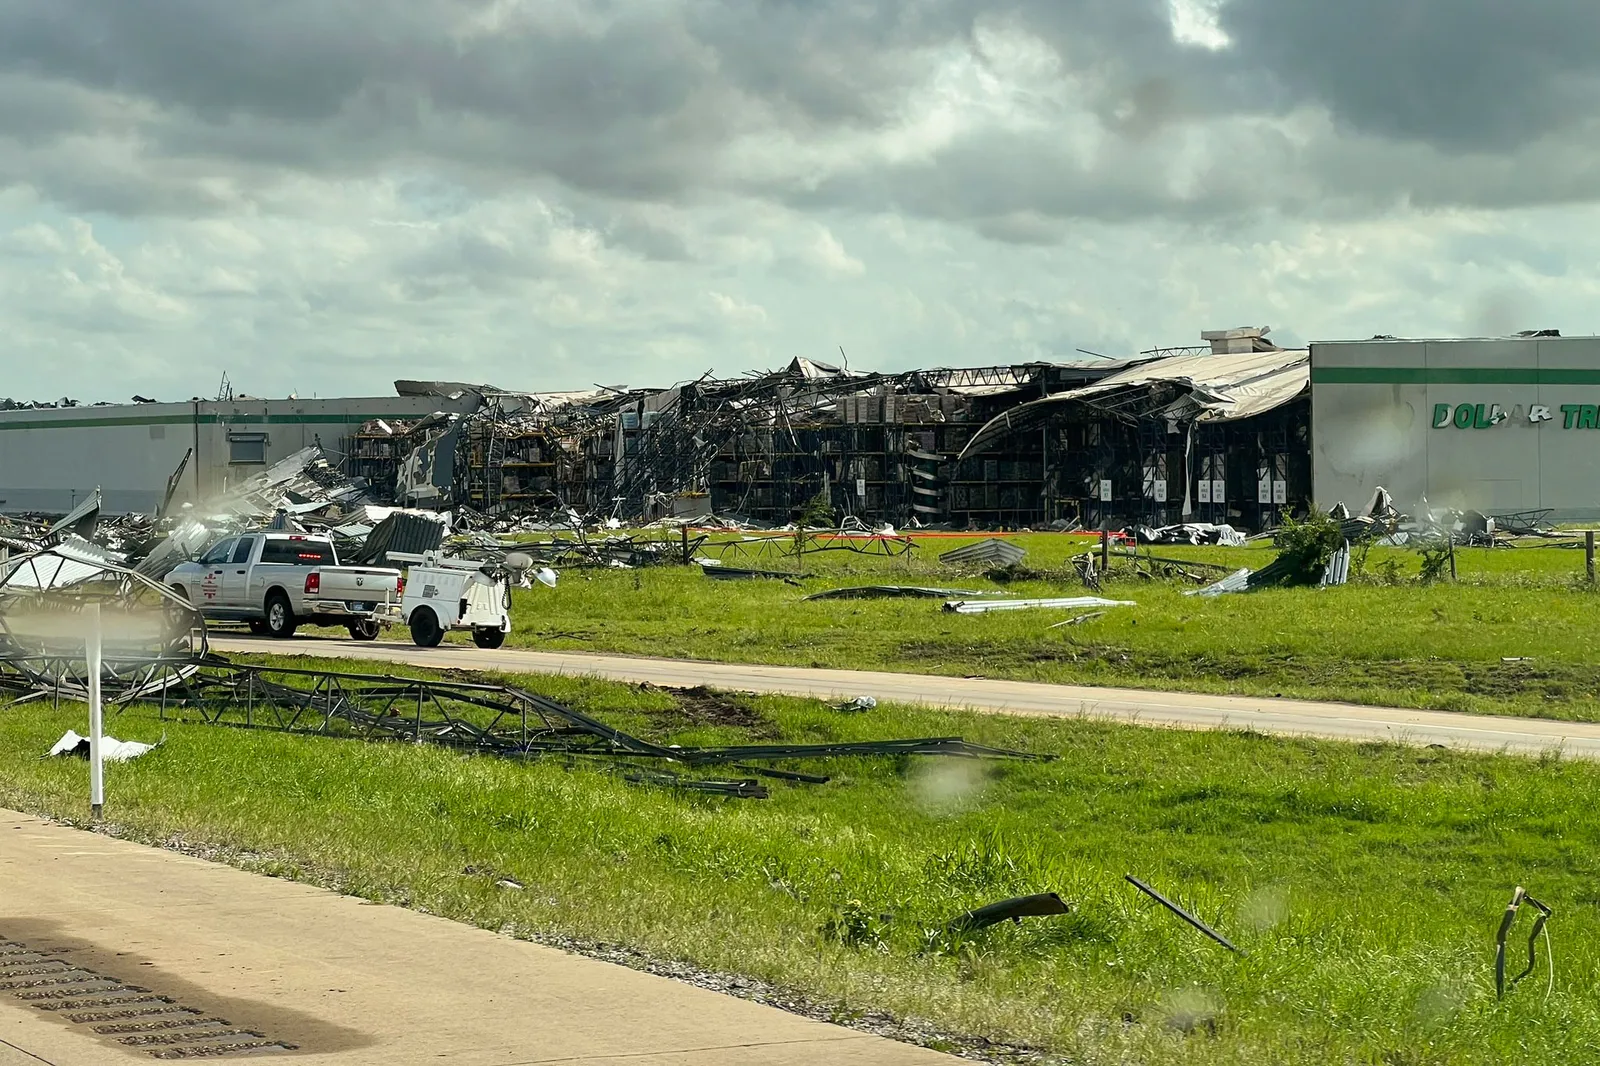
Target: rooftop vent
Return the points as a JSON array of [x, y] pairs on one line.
[[1243, 339]]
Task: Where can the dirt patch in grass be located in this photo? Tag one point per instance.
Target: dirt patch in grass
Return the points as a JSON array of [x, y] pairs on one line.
[[701, 706]]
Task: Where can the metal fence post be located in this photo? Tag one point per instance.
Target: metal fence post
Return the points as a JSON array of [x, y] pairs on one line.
[[92, 660], [1588, 554]]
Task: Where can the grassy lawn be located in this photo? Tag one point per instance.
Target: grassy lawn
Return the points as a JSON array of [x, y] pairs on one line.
[[1365, 882], [1443, 645]]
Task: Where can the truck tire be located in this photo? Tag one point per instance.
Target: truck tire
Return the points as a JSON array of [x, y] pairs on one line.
[[280, 615], [487, 637], [184, 593], [425, 629], [364, 629]]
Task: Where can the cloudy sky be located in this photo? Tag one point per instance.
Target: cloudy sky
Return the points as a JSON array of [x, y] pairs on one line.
[[323, 195]]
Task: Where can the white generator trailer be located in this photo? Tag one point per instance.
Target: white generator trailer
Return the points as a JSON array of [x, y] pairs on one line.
[[442, 593]]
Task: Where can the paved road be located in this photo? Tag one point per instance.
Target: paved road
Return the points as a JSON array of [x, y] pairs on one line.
[[110, 951], [1338, 721]]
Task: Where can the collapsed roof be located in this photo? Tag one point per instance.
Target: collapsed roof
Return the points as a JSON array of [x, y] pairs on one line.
[[1190, 388]]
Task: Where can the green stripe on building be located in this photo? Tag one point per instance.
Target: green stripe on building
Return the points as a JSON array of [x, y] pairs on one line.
[[1452, 375], [190, 420]]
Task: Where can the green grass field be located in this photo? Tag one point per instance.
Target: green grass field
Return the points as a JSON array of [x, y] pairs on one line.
[[1365, 882], [1384, 639]]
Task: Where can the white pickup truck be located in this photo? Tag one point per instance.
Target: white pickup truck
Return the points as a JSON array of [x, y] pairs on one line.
[[277, 581]]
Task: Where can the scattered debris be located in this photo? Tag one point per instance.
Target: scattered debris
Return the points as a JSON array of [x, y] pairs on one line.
[[1088, 571], [1338, 571], [1278, 572], [1041, 905], [1518, 898], [1181, 913], [860, 703], [715, 569], [1190, 533], [1146, 557], [416, 532], [990, 552], [1079, 620], [985, 606], [111, 749], [1238, 581], [873, 592]]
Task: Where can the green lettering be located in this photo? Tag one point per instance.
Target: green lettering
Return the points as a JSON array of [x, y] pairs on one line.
[[1480, 419], [1586, 416], [1441, 415], [1569, 412], [1463, 418]]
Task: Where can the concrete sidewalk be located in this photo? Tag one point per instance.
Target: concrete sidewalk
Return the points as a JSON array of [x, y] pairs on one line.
[[115, 952]]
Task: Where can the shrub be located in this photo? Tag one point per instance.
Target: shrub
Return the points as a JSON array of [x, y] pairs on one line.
[[1306, 545]]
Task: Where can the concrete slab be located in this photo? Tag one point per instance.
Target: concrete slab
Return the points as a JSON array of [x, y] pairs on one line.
[[97, 932]]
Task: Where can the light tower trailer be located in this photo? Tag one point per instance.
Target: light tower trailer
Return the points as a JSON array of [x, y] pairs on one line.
[[444, 593]]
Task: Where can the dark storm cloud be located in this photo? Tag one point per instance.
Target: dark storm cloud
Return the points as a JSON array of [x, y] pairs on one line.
[[642, 101], [1463, 75], [341, 86]]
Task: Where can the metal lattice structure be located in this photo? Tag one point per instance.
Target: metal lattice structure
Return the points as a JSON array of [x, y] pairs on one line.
[[489, 719], [151, 637]]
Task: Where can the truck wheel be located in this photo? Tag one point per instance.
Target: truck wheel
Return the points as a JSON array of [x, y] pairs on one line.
[[485, 637], [258, 628], [280, 615], [425, 629], [364, 629]]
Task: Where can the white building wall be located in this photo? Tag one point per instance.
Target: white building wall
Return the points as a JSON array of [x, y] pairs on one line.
[[51, 458], [1375, 405]]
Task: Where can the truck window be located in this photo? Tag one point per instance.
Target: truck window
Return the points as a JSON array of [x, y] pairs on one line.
[[297, 552], [241, 554], [219, 553]]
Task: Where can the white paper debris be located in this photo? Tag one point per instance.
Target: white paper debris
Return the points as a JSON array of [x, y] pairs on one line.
[[111, 749]]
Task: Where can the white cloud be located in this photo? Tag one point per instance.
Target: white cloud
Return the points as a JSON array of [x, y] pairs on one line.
[[736, 310]]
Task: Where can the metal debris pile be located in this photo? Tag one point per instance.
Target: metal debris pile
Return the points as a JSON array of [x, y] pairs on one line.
[[1194, 533], [1384, 524]]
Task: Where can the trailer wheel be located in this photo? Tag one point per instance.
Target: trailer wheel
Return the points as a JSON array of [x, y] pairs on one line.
[[425, 629], [364, 629], [280, 615], [486, 637]]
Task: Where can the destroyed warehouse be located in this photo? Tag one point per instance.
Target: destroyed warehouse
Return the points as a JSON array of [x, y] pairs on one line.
[[1218, 433]]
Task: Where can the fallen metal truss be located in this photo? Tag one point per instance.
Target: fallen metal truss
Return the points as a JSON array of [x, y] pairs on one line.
[[491, 719]]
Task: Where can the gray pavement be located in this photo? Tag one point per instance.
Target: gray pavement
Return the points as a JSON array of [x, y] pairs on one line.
[[1336, 721], [112, 952]]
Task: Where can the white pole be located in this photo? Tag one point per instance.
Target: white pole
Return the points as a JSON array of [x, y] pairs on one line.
[[97, 784]]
